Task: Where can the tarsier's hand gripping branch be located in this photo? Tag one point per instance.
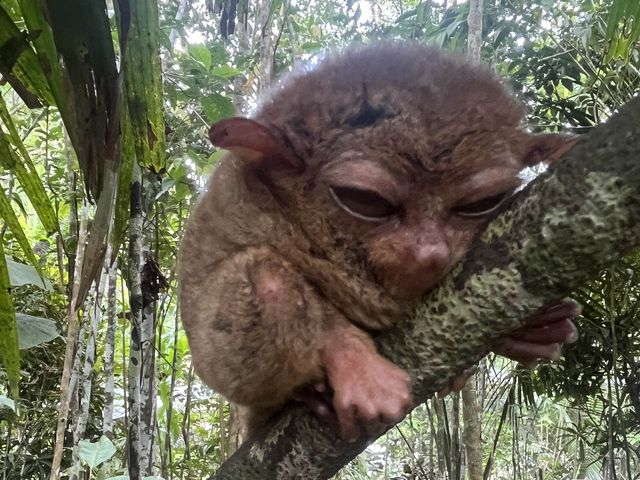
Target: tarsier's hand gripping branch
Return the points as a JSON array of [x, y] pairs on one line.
[[354, 190]]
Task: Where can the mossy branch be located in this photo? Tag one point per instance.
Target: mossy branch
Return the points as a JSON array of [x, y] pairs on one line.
[[557, 234]]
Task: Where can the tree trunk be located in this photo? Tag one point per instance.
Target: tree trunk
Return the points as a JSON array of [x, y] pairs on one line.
[[86, 376], [557, 233], [182, 9], [167, 452], [456, 448], [472, 430], [72, 331], [472, 420], [147, 378], [109, 350], [136, 468], [186, 422], [444, 464], [265, 20], [474, 37]]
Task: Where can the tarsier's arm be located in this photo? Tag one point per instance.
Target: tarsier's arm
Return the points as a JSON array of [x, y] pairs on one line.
[[276, 338]]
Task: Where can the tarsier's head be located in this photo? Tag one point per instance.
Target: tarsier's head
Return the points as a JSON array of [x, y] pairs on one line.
[[391, 158]]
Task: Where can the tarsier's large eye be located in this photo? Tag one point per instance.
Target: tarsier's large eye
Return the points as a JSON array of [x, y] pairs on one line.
[[363, 204], [482, 207]]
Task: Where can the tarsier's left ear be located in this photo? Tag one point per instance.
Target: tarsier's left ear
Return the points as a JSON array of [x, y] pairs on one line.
[[251, 142], [546, 147]]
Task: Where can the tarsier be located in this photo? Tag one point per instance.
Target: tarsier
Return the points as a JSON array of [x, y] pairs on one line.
[[355, 188]]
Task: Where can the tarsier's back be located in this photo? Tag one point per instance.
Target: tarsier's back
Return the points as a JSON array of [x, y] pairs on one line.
[[357, 186]]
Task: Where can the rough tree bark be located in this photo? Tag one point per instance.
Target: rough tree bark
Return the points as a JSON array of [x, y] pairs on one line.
[[109, 352], [557, 233], [474, 21], [471, 432], [72, 331], [136, 464]]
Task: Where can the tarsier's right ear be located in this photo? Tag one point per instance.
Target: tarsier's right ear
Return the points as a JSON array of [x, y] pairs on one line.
[[545, 148], [251, 142]]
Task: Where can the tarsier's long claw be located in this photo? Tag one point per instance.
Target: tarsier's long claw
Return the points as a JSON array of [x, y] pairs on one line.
[[539, 339], [542, 335], [318, 398]]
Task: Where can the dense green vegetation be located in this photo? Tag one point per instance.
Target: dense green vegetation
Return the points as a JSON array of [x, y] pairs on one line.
[[100, 166]]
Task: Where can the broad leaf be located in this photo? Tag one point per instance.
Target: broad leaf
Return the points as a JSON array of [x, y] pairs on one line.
[[216, 107], [201, 54], [7, 402], [143, 85], [47, 53], [96, 453], [33, 331], [225, 72], [21, 274]]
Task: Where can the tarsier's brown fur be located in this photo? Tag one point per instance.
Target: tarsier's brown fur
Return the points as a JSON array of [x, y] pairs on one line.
[[280, 285]]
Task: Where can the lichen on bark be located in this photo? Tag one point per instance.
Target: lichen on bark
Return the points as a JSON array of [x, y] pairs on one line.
[[559, 232]]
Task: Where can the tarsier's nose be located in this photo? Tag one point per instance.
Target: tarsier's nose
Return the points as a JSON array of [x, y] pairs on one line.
[[431, 255]]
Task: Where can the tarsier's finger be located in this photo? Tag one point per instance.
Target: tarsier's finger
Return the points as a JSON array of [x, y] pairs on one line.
[[565, 308], [561, 331], [526, 353], [319, 406], [349, 428], [457, 383], [318, 399], [375, 429]]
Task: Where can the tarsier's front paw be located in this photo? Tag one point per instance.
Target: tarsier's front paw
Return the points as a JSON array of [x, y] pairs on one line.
[[543, 334], [539, 339], [369, 392], [374, 395]]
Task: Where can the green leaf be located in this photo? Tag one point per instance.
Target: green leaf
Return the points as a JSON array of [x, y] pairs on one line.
[[7, 402], [95, 453], [616, 13], [143, 85], [225, 72], [217, 107], [200, 53], [124, 187], [9, 352], [42, 39], [11, 220], [21, 274], [20, 66], [33, 331], [502, 34], [19, 162], [310, 47]]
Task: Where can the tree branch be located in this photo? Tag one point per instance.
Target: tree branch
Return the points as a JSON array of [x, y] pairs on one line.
[[557, 234]]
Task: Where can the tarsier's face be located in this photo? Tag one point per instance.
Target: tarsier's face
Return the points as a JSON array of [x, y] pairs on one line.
[[409, 220], [413, 225]]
